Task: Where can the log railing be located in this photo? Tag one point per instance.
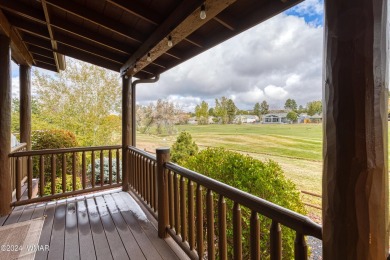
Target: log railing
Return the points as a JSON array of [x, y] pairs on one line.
[[18, 164], [143, 177], [193, 210], [67, 172]]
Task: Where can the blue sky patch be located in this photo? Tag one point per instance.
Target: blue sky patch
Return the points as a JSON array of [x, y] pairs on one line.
[[310, 10]]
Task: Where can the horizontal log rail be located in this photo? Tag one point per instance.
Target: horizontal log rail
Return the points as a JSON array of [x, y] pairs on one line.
[[67, 172], [64, 150], [193, 210]]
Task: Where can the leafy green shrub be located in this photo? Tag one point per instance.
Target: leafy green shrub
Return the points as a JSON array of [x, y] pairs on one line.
[[263, 179], [106, 168], [52, 139], [183, 148], [69, 185]]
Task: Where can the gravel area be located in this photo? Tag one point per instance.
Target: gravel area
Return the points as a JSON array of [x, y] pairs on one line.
[[316, 248]]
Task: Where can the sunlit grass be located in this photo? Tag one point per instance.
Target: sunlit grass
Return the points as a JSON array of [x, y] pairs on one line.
[[297, 148]]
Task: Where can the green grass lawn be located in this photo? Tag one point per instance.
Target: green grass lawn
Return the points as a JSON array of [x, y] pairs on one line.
[[297, 148]]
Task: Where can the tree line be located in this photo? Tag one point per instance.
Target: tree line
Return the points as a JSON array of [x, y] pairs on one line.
[[225, 110], [86, 100]]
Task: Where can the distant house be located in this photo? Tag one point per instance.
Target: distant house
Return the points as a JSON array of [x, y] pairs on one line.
[[246, 119], [305, 118], [192, 121], [275, 118]]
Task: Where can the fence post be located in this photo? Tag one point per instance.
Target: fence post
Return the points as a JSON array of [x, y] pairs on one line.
[[162, 191]]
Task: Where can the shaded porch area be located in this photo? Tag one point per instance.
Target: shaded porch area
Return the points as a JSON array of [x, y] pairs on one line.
[[104, 225]]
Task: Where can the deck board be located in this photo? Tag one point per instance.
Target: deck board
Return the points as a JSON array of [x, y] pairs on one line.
[[58, 233], [102, 225], [85, 235], [72, 248], [46, 230], [99, 236], [128, 239], [15, 215], [117, 249], [150, 231], [28, 211]]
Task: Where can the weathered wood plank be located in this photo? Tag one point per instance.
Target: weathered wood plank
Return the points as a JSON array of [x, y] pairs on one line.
[[117, 249], [85, 235], [132, 246], [72, 245], [14, 216], [46, 230], [27, 212], [57, 240], [146, 227], [99, 237], [39, 210]]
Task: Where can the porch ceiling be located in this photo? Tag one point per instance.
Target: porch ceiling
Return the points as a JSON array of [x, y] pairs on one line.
[[119, 34]]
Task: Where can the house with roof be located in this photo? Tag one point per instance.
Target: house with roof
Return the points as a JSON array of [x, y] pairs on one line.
[[275, 118], [246, 119], [305, 118]]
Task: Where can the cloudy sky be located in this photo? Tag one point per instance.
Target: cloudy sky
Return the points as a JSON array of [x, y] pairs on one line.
[[276, 60]]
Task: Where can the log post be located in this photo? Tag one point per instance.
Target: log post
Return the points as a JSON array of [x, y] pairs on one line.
[[126, 129], [25, 105], [355, 175], [163, 156], [5, 126]]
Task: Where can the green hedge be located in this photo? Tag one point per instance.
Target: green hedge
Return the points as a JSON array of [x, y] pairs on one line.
[[263, 179], [69, 185], [52, 139], [183, 148]]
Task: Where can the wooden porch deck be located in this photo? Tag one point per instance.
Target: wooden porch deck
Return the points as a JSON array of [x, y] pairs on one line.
[[105, 225]]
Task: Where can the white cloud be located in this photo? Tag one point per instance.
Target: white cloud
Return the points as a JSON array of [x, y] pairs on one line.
[[15, 87], [284, 51], [275, 93]]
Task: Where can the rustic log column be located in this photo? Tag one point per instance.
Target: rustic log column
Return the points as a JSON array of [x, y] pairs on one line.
[[126, 129], [162, 157], [25, 105], [355, 175], [5, 125]]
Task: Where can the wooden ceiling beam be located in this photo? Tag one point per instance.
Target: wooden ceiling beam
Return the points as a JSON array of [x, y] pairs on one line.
[[192, 42], [222, 22], [37, 56], [40, 51], [184, 21], [138, 10], [46, 66], [57, 57], [19, 51], [59, 23], [90, 36], [37, 41], [23, 10], [97, 18], [72, 42], [87, 57], [44, 59], [182, 11], [37, 29]]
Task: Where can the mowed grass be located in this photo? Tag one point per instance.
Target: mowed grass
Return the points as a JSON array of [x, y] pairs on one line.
[[297, 148]]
